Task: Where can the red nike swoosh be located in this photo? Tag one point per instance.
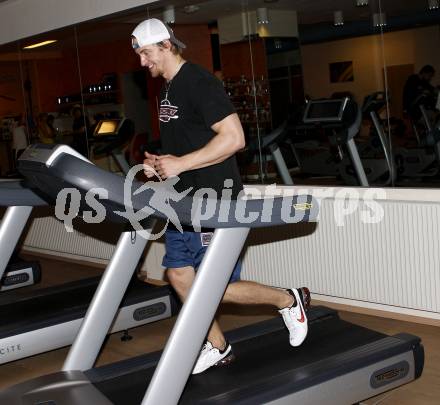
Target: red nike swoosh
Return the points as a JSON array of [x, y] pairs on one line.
[[303, 318]]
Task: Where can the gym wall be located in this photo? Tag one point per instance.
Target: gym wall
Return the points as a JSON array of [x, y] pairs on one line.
[[367, 57], [385, 266]]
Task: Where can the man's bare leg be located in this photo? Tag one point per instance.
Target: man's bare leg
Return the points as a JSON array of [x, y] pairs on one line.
[[251, 293], [240, 292], [181, 280]]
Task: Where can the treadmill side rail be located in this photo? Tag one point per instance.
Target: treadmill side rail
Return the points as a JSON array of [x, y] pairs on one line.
[[356, 386], [62, 333], [67, 388]]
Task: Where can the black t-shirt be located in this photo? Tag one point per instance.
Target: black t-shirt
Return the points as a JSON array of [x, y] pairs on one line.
[[196, 100]]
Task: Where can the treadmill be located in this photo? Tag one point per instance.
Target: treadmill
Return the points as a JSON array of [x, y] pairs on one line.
[[339, 363], [15, 273], [39, 320], [341, 120]]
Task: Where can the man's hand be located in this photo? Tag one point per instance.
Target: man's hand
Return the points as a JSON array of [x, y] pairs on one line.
[[169, 166], [149, 164]]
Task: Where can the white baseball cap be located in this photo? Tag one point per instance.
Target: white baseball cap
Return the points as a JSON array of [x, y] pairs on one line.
[[153, 31]]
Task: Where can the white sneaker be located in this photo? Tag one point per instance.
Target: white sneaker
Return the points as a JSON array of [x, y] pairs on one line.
[[211, 356], [295, 316]]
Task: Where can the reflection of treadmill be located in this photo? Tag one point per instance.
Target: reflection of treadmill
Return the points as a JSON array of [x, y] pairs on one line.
[[338, 363], [376, 151], [110, 137], [45, 319], [340, 119], [271, 142]]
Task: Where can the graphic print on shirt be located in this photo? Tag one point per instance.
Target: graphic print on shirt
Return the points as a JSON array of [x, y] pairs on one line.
[[168, 111]]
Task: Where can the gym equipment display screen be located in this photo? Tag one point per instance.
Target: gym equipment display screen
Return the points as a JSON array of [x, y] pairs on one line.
[[325, 110], [107, 127]]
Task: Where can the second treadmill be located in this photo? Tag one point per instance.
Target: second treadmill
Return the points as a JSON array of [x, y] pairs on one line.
[[39, 320]]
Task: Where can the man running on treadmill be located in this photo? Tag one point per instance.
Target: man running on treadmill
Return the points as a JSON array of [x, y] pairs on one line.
[[200, 134]]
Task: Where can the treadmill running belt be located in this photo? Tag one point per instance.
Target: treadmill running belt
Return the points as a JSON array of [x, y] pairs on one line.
[[253, 365]]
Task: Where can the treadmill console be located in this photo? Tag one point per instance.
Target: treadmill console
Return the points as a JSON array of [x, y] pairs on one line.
[[325, 111]]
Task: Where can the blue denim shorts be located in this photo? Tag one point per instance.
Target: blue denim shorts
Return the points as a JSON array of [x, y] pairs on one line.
[[188, 248]]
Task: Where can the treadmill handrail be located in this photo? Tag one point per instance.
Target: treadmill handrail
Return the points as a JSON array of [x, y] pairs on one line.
[[69, 170], [374, 102], [269, 138], [272, 136], [16, 193], [354, 128], [386, 148]]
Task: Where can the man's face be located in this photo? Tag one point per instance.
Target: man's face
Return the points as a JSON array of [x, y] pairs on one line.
[[152, 57]]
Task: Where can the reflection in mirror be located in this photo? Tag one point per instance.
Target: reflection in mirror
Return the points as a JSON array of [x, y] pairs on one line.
[[14, 136], [260, 83], [371, 52], [411, 39], [46, 91], [339, 131], [244, 73], [273, 58], [115, 92], [301, 52], [56, 89]]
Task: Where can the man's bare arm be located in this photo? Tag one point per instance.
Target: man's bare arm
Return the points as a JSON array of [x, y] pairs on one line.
[[228, 140]]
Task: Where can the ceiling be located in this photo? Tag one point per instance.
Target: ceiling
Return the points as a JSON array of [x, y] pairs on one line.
[[309, 12]]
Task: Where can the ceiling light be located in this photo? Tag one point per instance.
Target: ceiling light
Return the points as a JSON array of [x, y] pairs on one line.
[[169, 15], [192, 8], [379, 20], [361, 3], [433, 4], [338, 18], [262, 17], [44, 43]]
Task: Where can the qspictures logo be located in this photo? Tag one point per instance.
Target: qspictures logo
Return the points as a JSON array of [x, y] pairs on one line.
[[160, 194], [279, 204]]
